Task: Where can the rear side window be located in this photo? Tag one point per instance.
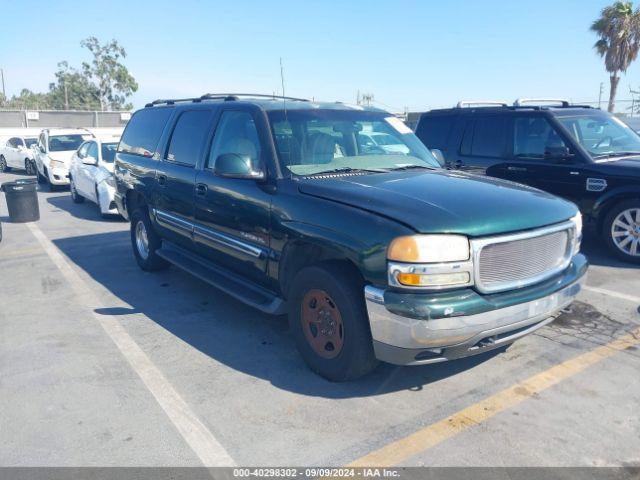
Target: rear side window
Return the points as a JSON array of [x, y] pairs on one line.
[[188, 136], [434, 130], [485, 137], [144, 130]]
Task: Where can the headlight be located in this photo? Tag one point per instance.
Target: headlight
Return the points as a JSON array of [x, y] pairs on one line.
[[429, 249], [577, 221], [430, 262], [56, 164]]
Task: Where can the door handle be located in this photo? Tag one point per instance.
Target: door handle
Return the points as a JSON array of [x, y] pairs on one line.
[[517, 169], [162, 180], [201, 189]]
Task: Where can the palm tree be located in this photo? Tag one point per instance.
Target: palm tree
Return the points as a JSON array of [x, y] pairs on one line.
[[619, 30]]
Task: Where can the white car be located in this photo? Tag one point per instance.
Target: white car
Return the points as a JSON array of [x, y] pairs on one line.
[[383, 141], [91, 174], [17, 153], [53, 153]]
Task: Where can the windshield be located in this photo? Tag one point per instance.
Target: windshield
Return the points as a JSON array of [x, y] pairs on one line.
[[109, 152], [30, 141], [602, 135], [62, 143], [317, 141]]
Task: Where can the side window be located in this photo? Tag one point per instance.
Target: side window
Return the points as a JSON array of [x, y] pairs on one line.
[[188, 137], [236, 133], [92, 150], [489, 137], [434, 130], [144, 130], [82, 151], [12, 143], [19, 142], [532, 136]]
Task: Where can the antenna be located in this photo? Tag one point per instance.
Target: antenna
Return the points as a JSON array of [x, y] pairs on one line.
[[284, 100]]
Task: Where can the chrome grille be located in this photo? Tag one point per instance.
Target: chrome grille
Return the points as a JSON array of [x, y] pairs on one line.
[[504, 263]]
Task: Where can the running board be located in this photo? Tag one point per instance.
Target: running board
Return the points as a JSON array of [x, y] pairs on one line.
[[222, 279]]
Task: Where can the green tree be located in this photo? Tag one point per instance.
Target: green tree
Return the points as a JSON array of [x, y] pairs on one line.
[[73, 90], [112, 80], [619, 30], [28, 100]]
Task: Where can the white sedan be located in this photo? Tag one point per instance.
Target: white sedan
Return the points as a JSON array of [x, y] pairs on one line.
[[91, 174], [17, 153]]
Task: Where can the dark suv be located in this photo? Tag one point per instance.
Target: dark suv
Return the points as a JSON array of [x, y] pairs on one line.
[[579, 153], [372, 249]]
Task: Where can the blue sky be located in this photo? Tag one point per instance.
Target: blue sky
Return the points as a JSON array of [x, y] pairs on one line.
[[419, 54]]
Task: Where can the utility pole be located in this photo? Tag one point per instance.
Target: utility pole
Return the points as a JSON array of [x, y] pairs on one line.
[[66, 95], [4, 94], [367, 98], [600, 96]]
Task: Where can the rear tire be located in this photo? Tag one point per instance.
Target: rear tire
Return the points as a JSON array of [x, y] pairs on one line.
[[146, 242], [621, 230], [75, 196], [29, 167], [328, 318]]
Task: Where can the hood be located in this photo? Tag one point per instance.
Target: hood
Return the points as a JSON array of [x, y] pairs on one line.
[[64, 156], [440, 201], [620, 165]]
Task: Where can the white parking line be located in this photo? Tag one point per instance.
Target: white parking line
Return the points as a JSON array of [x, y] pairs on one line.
[[611, 293], [194, 432]]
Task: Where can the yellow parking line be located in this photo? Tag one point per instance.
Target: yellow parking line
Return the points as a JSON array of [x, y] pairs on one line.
[[430, 436]]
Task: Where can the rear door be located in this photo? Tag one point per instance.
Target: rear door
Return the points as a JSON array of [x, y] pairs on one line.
[[176, 173], [233, 214], [13, 152], [483, 147]]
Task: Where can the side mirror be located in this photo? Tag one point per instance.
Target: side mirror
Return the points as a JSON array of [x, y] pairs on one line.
[[436, 152], [90, 160], [557, 153], [234, 165]]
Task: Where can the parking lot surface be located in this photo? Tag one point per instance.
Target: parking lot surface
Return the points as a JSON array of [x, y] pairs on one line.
[[102, 364]]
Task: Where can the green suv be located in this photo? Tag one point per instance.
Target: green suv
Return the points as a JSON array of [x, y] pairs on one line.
[[374, 252]]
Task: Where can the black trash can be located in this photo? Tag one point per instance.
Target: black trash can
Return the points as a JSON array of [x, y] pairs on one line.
[[22, 200]]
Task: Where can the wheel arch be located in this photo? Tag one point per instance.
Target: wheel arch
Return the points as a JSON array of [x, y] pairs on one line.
[[608, 201]]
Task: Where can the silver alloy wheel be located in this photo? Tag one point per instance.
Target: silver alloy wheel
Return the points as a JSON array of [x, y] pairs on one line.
[[142, 241], [625, 232]]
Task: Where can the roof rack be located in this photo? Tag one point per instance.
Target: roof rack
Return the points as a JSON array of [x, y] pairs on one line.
[[520, 102], [469, 103], [227, 97]]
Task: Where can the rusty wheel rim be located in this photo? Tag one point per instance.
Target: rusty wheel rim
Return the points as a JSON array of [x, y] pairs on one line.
[[322, 323]]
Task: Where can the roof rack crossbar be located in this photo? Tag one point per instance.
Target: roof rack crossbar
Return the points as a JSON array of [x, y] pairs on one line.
[[234, 96], [522, 101], [469, 103]]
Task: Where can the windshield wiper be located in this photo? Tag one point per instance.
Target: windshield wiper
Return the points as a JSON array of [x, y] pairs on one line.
[[410, 167], [349, 170], [614, 154]]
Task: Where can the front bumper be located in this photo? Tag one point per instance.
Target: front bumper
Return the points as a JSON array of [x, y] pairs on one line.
[[58, 176], [413, 329]]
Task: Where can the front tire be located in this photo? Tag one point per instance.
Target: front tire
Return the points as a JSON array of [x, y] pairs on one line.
[[328, 318], [75, 196], [621, 230], [146, 242], [3, 164], [29, 167]]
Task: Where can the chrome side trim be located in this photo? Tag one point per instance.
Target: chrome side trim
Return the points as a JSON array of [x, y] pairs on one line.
[[228, 241], [171, 220], [478, 244], [208, 234]]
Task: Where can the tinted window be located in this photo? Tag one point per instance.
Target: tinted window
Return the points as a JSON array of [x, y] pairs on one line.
[[30, 141], [82, 151], [143, 131], [188, 137], [532, 136], [236, 133], [434, 131], [12, 142], [109, 152], [489, 137]]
